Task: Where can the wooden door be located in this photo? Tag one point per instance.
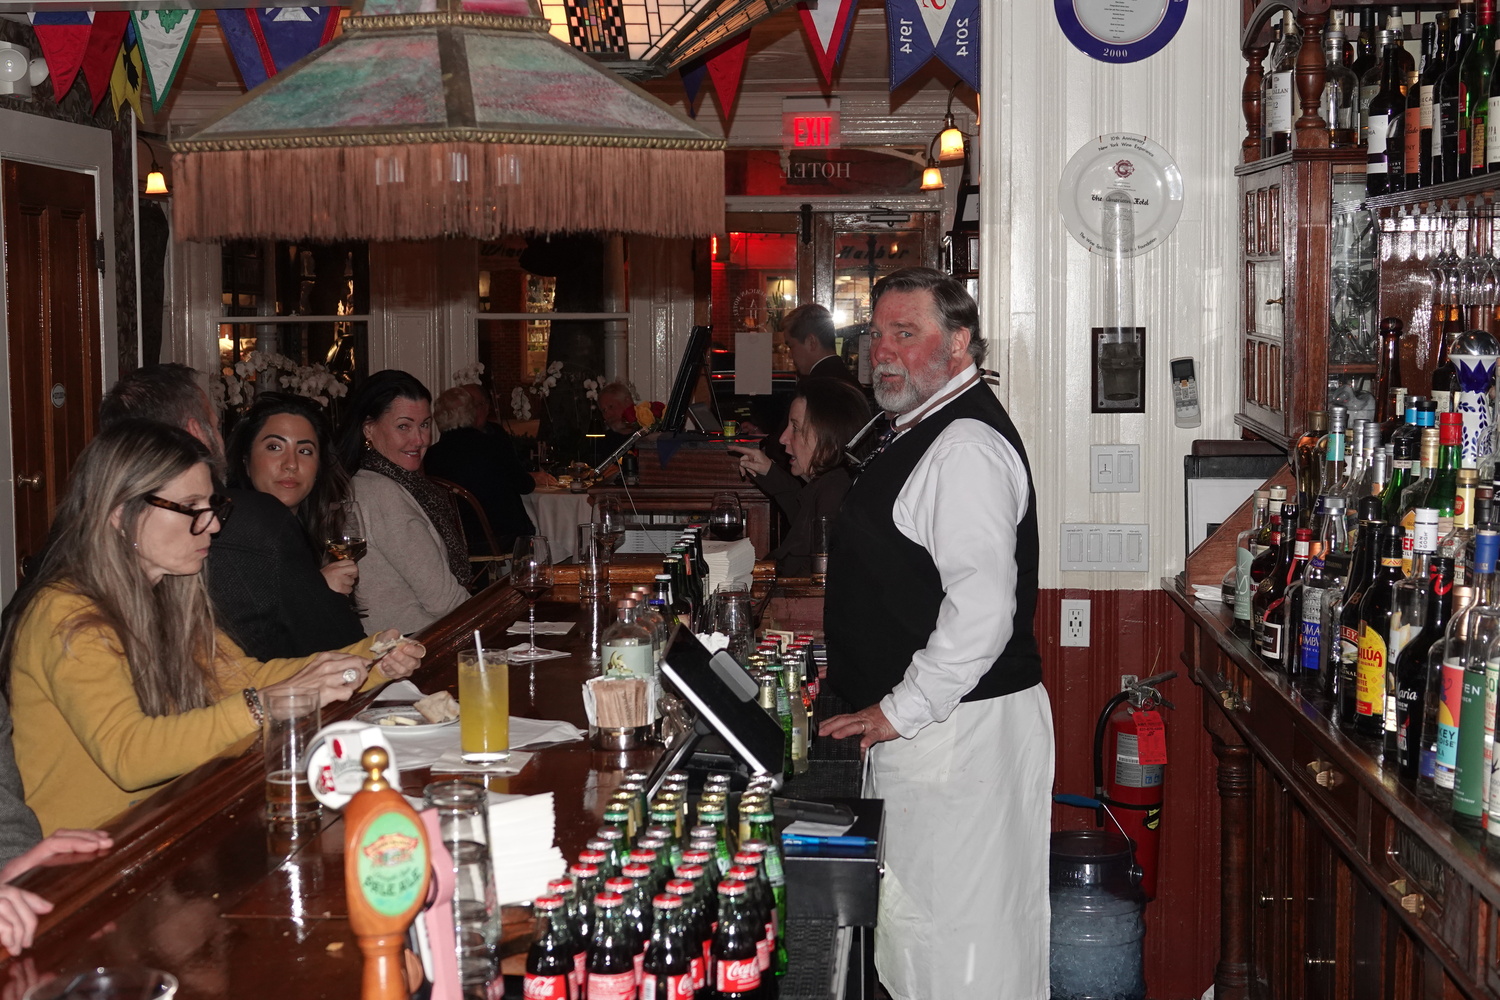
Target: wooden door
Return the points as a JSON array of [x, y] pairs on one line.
[[52, 319]]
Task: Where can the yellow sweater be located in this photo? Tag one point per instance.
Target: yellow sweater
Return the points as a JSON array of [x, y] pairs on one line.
[[85, 749]]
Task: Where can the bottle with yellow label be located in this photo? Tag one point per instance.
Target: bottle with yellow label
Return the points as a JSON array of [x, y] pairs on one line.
[[1374, 636]]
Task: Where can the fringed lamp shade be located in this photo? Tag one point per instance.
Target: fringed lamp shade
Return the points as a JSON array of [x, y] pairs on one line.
[[460, 120]]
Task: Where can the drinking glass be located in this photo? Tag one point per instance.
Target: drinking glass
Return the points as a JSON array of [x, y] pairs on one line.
[[531, 575], [610, 519], [463, 822], [126, 982], [733, 617], [593, 563], [290, 723], [726, 521], [350, 542], [484, 705]]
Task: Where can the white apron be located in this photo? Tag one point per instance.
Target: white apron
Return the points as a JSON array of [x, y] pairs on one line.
[[968, 804]]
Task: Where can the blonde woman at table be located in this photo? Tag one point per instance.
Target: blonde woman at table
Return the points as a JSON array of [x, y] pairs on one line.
[[119, 680], [416, 568]]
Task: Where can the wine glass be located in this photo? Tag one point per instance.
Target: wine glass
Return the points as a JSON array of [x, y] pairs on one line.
[[610, 520], [531, 575], [726, 521], [349, 523]]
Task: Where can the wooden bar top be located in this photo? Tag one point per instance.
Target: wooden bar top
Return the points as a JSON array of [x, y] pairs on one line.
[[199, 884]]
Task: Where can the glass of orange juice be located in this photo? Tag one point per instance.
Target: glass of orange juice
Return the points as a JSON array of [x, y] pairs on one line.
[[484, 705]]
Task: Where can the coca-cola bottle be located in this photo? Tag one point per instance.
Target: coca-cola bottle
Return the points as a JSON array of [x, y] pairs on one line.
[[737, 940], [668, 973], [630, 913], [696, 931], [568, 890], [549, 963], [612, 974]]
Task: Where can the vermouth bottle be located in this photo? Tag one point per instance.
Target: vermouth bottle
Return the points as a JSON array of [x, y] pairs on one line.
[[1374, 637]]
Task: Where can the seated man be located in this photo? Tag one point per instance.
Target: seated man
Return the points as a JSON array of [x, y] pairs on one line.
[[484, 464]]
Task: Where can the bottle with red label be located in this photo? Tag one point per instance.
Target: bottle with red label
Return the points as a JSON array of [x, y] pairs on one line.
[[568, 890], [737, 941], [549, 963], [612, 972], [696, 932], [668, 973], [759, 906], [630, 914]]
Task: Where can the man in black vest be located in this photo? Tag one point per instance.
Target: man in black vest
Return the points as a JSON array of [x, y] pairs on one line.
[[932, 584]]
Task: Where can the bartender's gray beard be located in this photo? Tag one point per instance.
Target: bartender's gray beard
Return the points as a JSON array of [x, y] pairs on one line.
[[917, 387]]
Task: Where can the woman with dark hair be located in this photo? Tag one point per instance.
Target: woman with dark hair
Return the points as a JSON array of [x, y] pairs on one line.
[[825, 414], [119, 680], [283, 447], [416, 565]]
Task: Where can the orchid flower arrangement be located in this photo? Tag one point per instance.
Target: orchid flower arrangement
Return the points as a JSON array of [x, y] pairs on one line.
[[261, 371]]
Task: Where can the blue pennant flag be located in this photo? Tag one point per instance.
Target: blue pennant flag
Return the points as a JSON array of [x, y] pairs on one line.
[[918, 31], [267, 41]]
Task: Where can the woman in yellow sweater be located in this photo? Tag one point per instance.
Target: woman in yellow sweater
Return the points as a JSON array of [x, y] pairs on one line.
[[118, 679]]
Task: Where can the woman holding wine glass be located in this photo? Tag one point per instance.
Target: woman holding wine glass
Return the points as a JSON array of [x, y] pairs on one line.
[[416, 564], [531, 575], [283, 447]]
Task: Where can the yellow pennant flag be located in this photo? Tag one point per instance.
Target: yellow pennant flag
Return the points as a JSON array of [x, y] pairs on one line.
[[125, 81]]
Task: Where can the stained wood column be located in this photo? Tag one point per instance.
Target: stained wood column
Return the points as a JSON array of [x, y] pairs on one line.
[[1233, 974], [1311, 130], [1250, 102]]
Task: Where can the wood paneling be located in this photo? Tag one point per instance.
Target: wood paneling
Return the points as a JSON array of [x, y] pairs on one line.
[[1140, 632]]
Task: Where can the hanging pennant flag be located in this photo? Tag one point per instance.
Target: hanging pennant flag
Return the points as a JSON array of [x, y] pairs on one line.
[[163, 36], [918, 31], [105, 37], [63, 36], [125, 81], [726, 67], [692, 81], [264, 42], [827, 24]]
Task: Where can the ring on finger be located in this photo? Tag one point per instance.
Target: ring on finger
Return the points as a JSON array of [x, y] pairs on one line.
[[350, 675]]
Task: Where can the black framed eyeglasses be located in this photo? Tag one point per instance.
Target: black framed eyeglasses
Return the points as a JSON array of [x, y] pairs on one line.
[[218, 506]]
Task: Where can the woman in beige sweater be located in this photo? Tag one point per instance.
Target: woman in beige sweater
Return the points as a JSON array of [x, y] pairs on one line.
[[417, 565], [119, 680]]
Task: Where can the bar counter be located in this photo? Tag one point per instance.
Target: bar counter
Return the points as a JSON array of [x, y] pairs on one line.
[[200, 885]]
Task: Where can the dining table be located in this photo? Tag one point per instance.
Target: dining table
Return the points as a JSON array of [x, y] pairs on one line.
[[556, 512]]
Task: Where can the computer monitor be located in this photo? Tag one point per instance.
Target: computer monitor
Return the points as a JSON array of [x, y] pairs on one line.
[[722, 696], [693, 356]]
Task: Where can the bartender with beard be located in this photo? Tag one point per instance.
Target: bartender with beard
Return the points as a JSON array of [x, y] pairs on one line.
[[948, 684]]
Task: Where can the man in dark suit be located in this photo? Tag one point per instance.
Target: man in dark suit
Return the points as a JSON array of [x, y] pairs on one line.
[[810, 336], [262, 574]]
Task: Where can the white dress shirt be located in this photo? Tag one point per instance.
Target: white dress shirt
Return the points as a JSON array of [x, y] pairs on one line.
[[962, 503]]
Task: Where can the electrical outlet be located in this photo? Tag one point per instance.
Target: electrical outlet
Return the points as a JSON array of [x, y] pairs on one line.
[[1075, 623]]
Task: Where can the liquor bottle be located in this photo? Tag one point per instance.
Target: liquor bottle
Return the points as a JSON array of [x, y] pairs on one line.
[[549, 962], [1411, 157], [1277, 89], [1339, 104], [736, 967], [1420, 412], [1269, 607], [1388, 365], [1364, 37], [1385, 146], [1335, 445], [1427, 86], [1471, 771], [1377, 470], [648, 615], [626, 646], [1446, 122], [1442, 494], [611, 971], [667, 973], [1372, 79], [1322, 584], [1474, 92], [1415, 495], [1412, 667], [1455, 655], [1273, 561], [1265, 547], [1458, 544], [691, 577], [669, 609], [1445, 374], [1307, 460], [1409, 616], [1365, 562], [1374, 637], [1404, 469]]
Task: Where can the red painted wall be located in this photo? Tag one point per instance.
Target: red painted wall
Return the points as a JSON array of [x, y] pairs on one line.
[[1140, 632]]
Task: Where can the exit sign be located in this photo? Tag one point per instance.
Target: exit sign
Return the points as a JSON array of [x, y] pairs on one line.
[[810, 123]]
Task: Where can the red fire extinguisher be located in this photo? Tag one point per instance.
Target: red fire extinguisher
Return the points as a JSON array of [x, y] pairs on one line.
[[1131, 784]]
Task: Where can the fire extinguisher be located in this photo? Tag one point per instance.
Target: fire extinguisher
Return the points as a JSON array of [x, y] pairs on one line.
[[1131, 727]]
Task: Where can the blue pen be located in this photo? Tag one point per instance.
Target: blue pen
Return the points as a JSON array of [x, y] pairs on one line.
[[792, 838]]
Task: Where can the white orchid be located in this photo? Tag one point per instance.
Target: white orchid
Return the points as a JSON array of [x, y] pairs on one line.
[[260, 371], [469, 374]]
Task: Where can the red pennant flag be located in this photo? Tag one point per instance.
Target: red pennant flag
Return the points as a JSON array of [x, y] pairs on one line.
[[104, 47], [63, 36], [827, 28], [726, 68]]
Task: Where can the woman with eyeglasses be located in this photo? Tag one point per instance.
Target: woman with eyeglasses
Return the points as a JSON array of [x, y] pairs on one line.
[[118, 679], [283, 447]]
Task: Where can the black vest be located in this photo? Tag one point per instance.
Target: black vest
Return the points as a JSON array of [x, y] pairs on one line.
[[884, 591]]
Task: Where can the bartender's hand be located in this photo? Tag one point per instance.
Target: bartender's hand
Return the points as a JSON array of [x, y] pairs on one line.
[[752, 459], [341, 575], [869, 724], [403, 660]]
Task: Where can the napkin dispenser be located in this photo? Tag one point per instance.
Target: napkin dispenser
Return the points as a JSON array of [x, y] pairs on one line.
[[838, 878]]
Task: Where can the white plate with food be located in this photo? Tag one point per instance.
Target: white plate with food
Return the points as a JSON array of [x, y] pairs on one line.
[[398, 718]]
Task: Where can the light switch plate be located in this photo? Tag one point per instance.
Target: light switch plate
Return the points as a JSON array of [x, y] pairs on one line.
[[1114, 468], [1106, 548]]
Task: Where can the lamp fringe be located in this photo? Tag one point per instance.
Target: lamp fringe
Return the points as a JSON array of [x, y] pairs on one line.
[[454, 189]]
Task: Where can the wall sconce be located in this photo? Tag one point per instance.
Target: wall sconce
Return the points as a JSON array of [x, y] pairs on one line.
[[950, 140], [932, 176], [18, 71], [156, 181]]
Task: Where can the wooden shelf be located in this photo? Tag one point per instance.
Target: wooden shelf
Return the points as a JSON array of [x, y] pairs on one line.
[[1480, 184]]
